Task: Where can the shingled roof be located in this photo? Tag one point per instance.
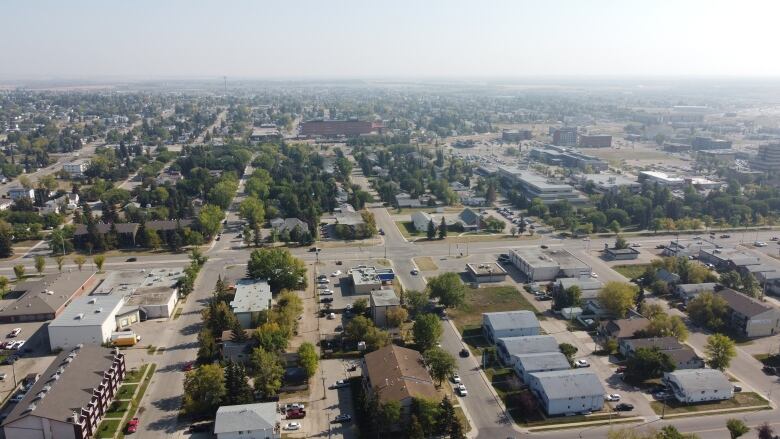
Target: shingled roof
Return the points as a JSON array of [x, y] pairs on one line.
[[398, 373]]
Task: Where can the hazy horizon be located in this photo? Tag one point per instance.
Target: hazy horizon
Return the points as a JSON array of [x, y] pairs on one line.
[[348, 40]]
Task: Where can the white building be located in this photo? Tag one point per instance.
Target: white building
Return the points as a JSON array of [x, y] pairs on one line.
[[509, 347], [381, 302], [661, 178], [17, 193], [76, 168], [546, 265], [697, 385], [87, 320], [252, 296], [526, 364], [567, 391], [248, 421], [497, 325]]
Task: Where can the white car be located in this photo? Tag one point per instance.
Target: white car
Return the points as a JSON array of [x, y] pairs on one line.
[[336, 273], [324, 286], [326, 293], [293, 426], [636, 244], [456, 379], [461, 390], [612, 397], [581, 363], [339, 384], [14, 332], [760, 244], [594, 275]]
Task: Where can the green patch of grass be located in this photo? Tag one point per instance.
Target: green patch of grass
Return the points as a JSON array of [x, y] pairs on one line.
[[631, 271], [487, 299], [407, 229], [425, 263], [462, 416], [177, 313], [740, 400], [134, 375], [133, 408], [117, 409], [126, 391], [108, 428]]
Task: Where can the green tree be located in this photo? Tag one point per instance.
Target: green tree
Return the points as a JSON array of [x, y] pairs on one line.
[[237, 388], [431, 229], [60, 260], [614, 227], [620, 243], [442, 229], [396, 316], [209, 219], [4, 285], [278, 267], [362, 329], [40, 264], [208, 349], [308, 358], [427, 330], [268, 372], [617, 297], [204, 389], [360, 306], [720, 350], [99, 260], [731, 279], [6, 240], [218, 317], [79, 260], [664, 325], [152, 239], [415, 300], [440, 363], [569, 351], [765, 431], [252, 210], [448, 288], [415, 428], [708, 310], [567, 298], [389, 415], [19, 271], [736, 428], [647, 363], [448, 419], [272, 337]]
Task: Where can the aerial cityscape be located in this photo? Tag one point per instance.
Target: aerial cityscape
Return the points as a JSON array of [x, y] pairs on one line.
[[213, 238]]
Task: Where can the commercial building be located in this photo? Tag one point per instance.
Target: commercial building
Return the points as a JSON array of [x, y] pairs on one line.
[[17, 193], [682, 356], [339, 128], [698, 385], [621, 254], [687, 248], [153, 293], [394, 373], [604, 183], [547, 264], [76, 168], [661, 178], [288, 224], [45, 298], [502, 324], [565, 136], [515, 135], [88, 320], [727, 258], [589, 287], [246, 421], [367, 279], [527, 364], [570, 391], [719, 155], [486, 272], [750, 317], [381, 302], [595, 141], [265, 133], [71, 397], [701, 143], [508, 347], [768, 157], [252, 297], [565, 157], [533, 185]]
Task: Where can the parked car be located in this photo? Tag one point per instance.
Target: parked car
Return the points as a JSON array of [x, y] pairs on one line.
[[294, 406], [131, 259], [352, 367], [543, 297], [737, 389], [760, 244], [623, 407], [132, 426], [620, 369], [326, 300], [296, 414], [544, 247], [336, 273], [464, 353], [770, 370], [17, 398], [323, 287], [456, 378], [326, 293], [612, 397], [415, 272], [342, 418], [293, 426], [461, 390], [725, 236], [339, 384], [14, 332], [19, 344], [636, 244], [581, 363]]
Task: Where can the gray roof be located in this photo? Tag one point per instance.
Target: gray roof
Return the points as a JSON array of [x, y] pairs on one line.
[[246, 417], [349, 218], [747, 306], [72, 390], [696, 288], [89, 311], [511, 320], [469, 217], [543, 361], [289, 224], [571, 383], [662, 343], [694, 380], [251, 295], [667, 276], [36, 298], [384, 297], [589, 287], [531, 344]]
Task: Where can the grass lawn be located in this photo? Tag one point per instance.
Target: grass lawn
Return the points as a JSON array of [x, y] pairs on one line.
[[177, 313], [740, 400], [487, 299], [425, 263], [133, 408], [407, 229], [126, 391], [631, 271], [108, 428], [462, 416], [117, 409], [134, 375]]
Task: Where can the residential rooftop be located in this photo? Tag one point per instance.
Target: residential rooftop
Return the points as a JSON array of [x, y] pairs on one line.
[[251, 296], [503, 320], [570, 383]]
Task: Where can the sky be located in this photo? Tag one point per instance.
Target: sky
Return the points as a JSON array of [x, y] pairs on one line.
[[289, 39]]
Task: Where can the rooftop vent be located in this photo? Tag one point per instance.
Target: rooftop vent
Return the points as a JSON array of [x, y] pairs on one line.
[[79, 316], [99, 310], [92, 300]]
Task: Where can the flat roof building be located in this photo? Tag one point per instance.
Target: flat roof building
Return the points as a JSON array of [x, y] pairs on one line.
[[258, 420], [595, 141], [697, 385], [70, 397], [612, 183], [367, 279], [45, 298], [547, 264], [508, 347], [381, 302], [502, 324], [534, 185], [339, 128], [486, 272], [88, 320], [567, 391], [252, 297], [527, 364]]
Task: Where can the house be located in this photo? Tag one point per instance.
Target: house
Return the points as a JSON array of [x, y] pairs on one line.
[[508, 347], [87, 320], [71, 396], [589, 287], [405, 200], [622, 328], [469, 220], [569, 391], [621, 254], [288, 225], [381, 302], [394, 373], [246, 421], [497, 325], [252, 297], [527, 364], [17, 193], [698, 385], [681, 355], [667, 276], [45, 298], [420, 220], [748, 316], [76, 168], [687, 292]]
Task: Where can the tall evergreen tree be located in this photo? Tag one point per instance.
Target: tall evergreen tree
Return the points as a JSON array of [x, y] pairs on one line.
[[442, 229], [237, 388], [431, 229]]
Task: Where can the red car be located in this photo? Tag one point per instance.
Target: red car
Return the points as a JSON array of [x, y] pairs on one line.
[[296, 414], [132, 426], [188, 366]]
